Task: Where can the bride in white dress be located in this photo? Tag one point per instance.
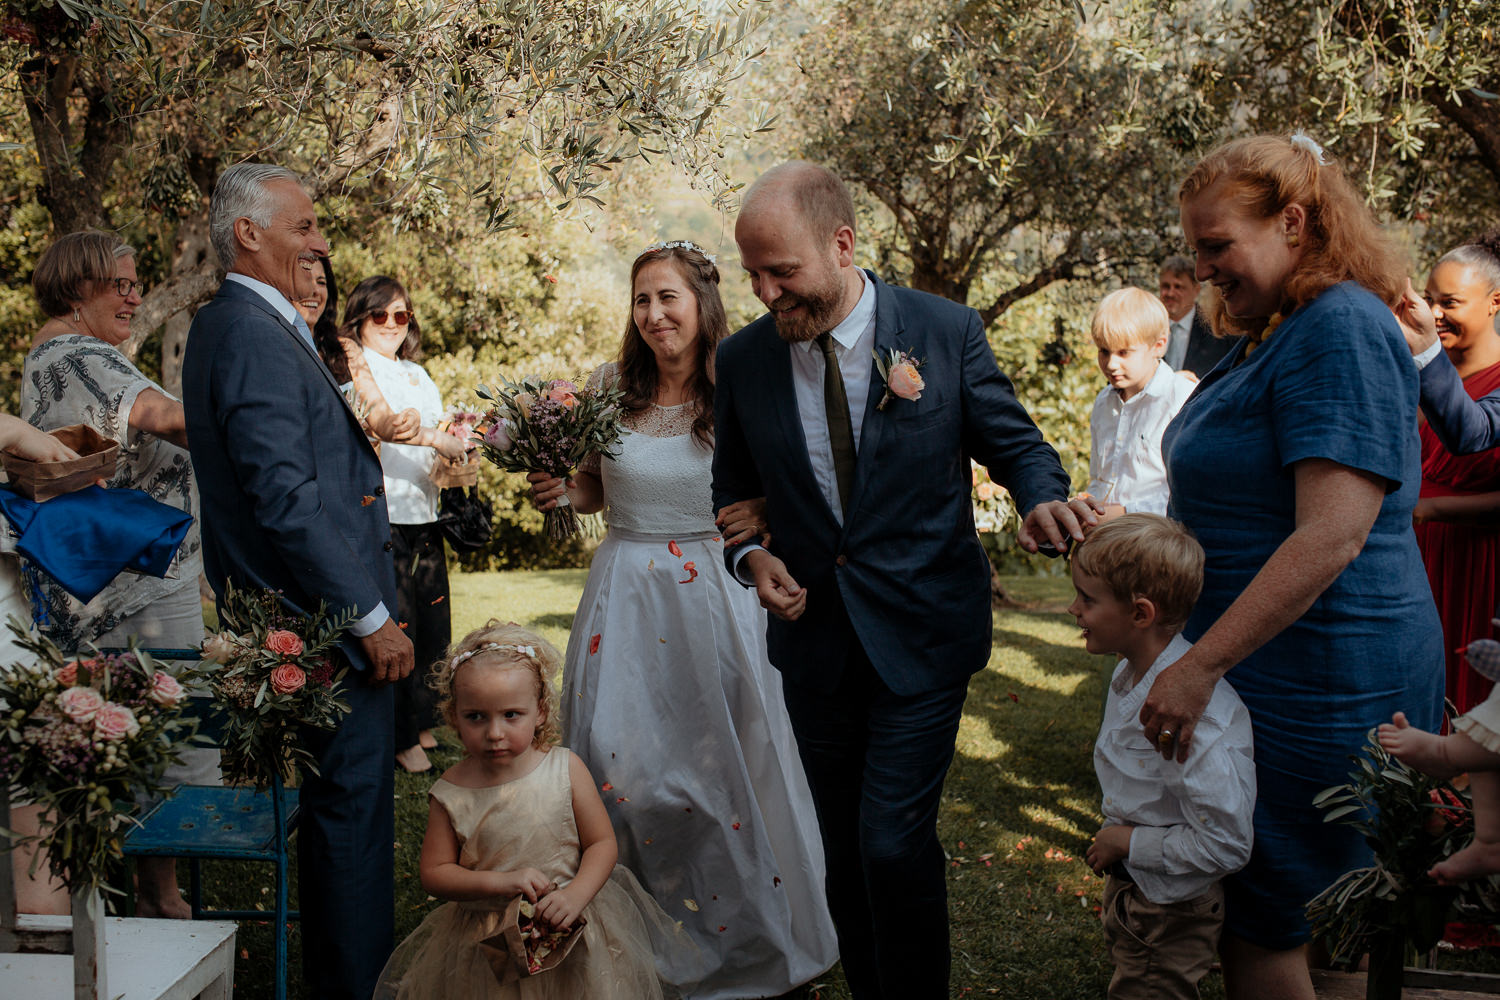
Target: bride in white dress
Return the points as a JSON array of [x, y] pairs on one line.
[[668, 696]]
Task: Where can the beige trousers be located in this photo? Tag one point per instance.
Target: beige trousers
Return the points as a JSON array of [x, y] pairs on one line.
[[1160, 951]]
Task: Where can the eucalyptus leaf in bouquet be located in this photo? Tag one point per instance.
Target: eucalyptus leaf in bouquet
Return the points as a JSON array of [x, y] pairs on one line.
[[85, 738], [280, 671], [548, 426]]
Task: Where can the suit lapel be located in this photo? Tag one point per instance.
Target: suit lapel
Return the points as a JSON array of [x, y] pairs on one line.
[[888, 337], [234, 290]]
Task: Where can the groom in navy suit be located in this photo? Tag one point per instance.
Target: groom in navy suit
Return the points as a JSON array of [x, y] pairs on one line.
[[877, 584], [293, 501]]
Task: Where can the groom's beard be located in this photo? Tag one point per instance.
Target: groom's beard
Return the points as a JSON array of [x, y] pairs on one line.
[[817, 318]]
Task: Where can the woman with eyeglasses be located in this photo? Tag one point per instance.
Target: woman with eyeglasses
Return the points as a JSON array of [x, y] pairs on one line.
[[86, 284], [399, 392]]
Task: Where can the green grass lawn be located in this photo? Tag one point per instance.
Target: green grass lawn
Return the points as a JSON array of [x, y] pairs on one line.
[[1020, 806]]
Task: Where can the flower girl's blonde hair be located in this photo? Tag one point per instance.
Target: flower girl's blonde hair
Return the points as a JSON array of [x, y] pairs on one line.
[[507, 646]]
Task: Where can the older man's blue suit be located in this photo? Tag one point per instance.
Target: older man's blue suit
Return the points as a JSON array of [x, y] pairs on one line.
[[292, 500], [898, 606]]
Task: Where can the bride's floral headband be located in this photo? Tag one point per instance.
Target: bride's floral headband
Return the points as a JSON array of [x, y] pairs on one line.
[[527, 651], [680, 245], [1302, 140]]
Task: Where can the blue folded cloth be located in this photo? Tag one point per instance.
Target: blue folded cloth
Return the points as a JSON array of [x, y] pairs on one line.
[[85, 539]]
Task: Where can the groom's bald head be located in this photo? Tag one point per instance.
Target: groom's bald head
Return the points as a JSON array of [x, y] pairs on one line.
[[813, 193]]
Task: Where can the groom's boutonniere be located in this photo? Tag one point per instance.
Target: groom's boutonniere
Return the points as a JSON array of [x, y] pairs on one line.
[[901, 374]]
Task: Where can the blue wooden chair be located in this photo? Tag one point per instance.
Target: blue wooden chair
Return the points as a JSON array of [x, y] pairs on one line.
[[210, 822]]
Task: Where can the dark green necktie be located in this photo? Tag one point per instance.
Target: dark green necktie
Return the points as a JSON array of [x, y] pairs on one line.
[[840, 430]]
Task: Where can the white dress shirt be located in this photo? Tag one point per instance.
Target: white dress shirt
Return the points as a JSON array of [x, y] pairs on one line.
[[1177, 341], [1194, 821], [853, 345], [1125, 460], [378, 615]]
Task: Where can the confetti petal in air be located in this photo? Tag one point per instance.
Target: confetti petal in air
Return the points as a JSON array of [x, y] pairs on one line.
[[607, 787], [675, 549], [366, 500], [692, 572], [594, 644], [691, 904]]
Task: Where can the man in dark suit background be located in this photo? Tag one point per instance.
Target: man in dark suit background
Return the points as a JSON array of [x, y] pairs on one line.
[[876, 581], [1192, 346], [293, 501]]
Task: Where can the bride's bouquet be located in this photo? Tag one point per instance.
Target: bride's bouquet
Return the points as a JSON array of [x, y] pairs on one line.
[[548, 426]]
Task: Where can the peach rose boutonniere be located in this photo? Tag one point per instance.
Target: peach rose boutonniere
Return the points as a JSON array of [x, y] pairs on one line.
[[902, 375]]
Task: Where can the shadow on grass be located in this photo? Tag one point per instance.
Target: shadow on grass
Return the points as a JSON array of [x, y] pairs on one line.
[[552, 620]]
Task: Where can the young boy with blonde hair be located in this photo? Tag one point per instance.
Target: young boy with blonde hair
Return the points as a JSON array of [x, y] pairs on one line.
[[1126, 472], [1171, 831]]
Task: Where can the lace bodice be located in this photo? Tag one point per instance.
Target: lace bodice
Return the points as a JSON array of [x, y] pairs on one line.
[[659, 482]]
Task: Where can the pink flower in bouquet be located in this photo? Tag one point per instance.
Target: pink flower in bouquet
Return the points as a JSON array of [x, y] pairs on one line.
[[284, 643], [523, 403], [288, 678], [68, 675], [220, 648], [165, 690], [115, 722], [80, 704], [563, 392], [904, 382], [499, 436]]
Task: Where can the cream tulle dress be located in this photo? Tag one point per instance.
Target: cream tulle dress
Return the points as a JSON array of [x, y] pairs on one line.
[[528, 823]]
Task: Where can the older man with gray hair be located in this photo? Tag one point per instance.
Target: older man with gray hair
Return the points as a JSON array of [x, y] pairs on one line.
[[292, 501]]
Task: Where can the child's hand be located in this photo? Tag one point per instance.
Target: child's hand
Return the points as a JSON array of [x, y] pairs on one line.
[[560, 907], [526, 882], [1111, 844]]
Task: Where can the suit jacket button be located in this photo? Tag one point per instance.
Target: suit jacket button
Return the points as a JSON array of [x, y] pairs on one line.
[[388, 546], [842, 560], [380, 491]]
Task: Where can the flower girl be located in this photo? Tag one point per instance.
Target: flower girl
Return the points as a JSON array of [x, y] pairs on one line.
[[520, 816]]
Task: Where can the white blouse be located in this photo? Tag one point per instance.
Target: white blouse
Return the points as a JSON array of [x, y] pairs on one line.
[[411, 497]]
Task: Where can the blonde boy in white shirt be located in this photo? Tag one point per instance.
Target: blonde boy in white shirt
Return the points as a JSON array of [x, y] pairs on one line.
[[1171, 831], [1126, 471]]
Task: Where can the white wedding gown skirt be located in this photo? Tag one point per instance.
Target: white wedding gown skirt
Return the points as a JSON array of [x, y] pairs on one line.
[[669, 699]]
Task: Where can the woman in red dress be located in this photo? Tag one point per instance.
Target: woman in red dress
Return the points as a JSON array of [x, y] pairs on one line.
[[1458, 515]]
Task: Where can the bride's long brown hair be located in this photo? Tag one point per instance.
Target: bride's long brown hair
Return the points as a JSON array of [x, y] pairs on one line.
[[637, 365]]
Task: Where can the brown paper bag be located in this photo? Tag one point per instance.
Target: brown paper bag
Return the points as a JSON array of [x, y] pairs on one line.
[[506, 949], [445, 473], [45, 480]]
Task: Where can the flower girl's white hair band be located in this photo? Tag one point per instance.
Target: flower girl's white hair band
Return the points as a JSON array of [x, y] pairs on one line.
[[1302, 140], [529, 651], [681, 245]]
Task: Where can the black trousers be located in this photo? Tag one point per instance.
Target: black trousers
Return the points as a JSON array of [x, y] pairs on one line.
[[876, 761], [422, 604]]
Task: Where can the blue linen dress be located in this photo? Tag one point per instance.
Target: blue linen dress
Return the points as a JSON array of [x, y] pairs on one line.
[[1335, 381]]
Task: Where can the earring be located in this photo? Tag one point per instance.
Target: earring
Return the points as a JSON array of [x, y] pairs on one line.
[[1293, 240], [76, 316]]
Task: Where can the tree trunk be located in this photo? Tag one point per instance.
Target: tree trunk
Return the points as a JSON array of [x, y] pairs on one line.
[[73, 183]]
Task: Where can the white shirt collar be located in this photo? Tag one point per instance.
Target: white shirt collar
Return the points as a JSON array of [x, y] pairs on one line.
[[1156, 387], [274, 298], [848, 332]]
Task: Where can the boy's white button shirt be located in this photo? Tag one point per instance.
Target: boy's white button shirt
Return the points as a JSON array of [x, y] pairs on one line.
[[1193, 821], [1125, 460]]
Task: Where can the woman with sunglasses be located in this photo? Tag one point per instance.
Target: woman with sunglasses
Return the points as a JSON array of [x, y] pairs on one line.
[[405, 407], [86, 284]]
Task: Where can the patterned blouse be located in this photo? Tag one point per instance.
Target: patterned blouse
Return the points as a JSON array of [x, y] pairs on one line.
[[77, 379]]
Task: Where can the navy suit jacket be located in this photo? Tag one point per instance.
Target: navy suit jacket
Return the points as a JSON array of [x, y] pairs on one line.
[[1204, 350], [905, 574], [1463, 424], [292, 492]]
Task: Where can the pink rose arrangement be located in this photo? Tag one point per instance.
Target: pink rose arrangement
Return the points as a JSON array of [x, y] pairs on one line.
[[994, 510], [83, 738], [548, 426], [901, 374], [280, 673]]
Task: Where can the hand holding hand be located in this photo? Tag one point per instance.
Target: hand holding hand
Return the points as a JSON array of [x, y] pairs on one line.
[[1415, 318], [1176, 703], [778, 592], [452, 448], [405, 425], [743, 521], [1111, 844], [545, 489], [1056, 522], [559, 908], [389, 652], [528, 882]]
